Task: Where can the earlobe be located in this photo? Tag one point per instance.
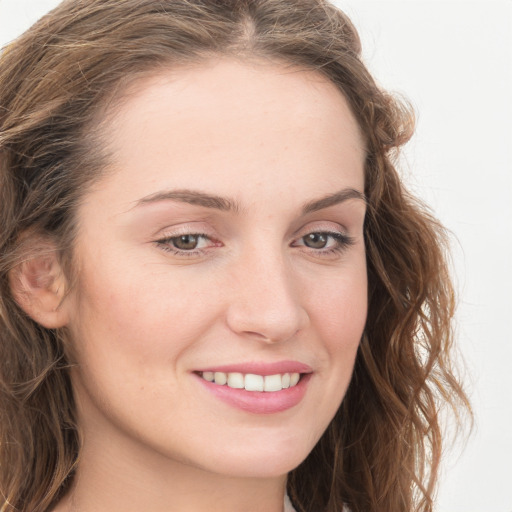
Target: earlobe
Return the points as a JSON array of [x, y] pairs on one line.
[[39, 287]]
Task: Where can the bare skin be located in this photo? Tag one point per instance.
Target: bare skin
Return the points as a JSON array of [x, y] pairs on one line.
[[272, 269]]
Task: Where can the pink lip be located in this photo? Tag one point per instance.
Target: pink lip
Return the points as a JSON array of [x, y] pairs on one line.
[[257, 402], [260, 368]]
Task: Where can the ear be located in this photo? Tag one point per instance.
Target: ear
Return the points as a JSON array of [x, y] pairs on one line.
[[39, 287]]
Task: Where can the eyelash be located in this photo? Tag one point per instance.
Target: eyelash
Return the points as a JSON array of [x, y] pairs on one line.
[[166, 245], [342, 242]]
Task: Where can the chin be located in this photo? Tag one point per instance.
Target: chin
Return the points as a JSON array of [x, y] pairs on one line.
[[268, 462]]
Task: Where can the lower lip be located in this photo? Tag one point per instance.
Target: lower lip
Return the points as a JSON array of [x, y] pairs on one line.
[[259, 402]]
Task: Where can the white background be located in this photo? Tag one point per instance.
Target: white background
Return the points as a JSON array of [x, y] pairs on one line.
[[453, 60]]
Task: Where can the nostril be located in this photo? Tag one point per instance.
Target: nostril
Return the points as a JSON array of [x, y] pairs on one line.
[[259, 335], [267, 318]]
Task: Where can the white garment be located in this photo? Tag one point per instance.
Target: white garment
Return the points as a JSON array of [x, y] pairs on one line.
[[288, 507]]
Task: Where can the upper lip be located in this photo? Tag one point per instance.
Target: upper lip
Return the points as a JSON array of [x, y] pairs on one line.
[[261, 368]]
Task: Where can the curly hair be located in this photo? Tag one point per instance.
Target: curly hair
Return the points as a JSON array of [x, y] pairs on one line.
[[381, 452]]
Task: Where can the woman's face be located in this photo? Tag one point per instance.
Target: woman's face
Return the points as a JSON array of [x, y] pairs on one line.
[[227, 243]]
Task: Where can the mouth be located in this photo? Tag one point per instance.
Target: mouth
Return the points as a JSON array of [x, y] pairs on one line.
[[252, 381], [258, 388]]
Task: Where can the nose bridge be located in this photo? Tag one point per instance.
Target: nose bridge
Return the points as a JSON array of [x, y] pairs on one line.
[[266, 302]]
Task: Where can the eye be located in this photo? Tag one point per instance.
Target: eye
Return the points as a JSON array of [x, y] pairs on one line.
[[325, 242], [316, 240], [186, 242]]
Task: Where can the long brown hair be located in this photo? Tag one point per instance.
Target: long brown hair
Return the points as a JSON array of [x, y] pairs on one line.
[[382, 450]]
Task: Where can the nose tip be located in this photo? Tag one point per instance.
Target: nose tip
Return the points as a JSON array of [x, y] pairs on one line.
[[267, 306], [267, 323]]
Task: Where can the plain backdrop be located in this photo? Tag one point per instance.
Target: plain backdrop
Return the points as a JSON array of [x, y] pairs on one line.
[[453, 60]]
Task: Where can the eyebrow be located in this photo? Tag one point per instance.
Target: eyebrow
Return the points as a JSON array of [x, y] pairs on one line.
[[225, 204], [333, 199], [192, 197]]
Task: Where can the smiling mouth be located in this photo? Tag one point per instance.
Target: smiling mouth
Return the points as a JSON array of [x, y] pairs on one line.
[[253, 382]]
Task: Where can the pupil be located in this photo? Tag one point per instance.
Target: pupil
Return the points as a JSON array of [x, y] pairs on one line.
[[316, 240], [186, 242]]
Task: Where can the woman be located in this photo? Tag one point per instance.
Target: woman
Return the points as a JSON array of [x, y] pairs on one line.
[[216, 292]]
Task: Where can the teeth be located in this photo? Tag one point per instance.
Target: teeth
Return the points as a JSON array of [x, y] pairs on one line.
[[235, 380], [273, 383], [294, 379], [220, 378], [209, 376], [252, 382]]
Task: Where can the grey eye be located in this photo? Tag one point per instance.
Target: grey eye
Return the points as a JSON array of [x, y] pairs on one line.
[[316, 240]]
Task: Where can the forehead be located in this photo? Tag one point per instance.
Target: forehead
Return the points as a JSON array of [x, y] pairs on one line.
[[210, 119]]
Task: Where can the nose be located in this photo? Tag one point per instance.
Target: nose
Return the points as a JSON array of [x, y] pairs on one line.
[[265, 303]]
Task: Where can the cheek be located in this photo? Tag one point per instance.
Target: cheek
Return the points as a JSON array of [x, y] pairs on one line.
[[338, 308], [145, 324], [131, 301], [130, 336]]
